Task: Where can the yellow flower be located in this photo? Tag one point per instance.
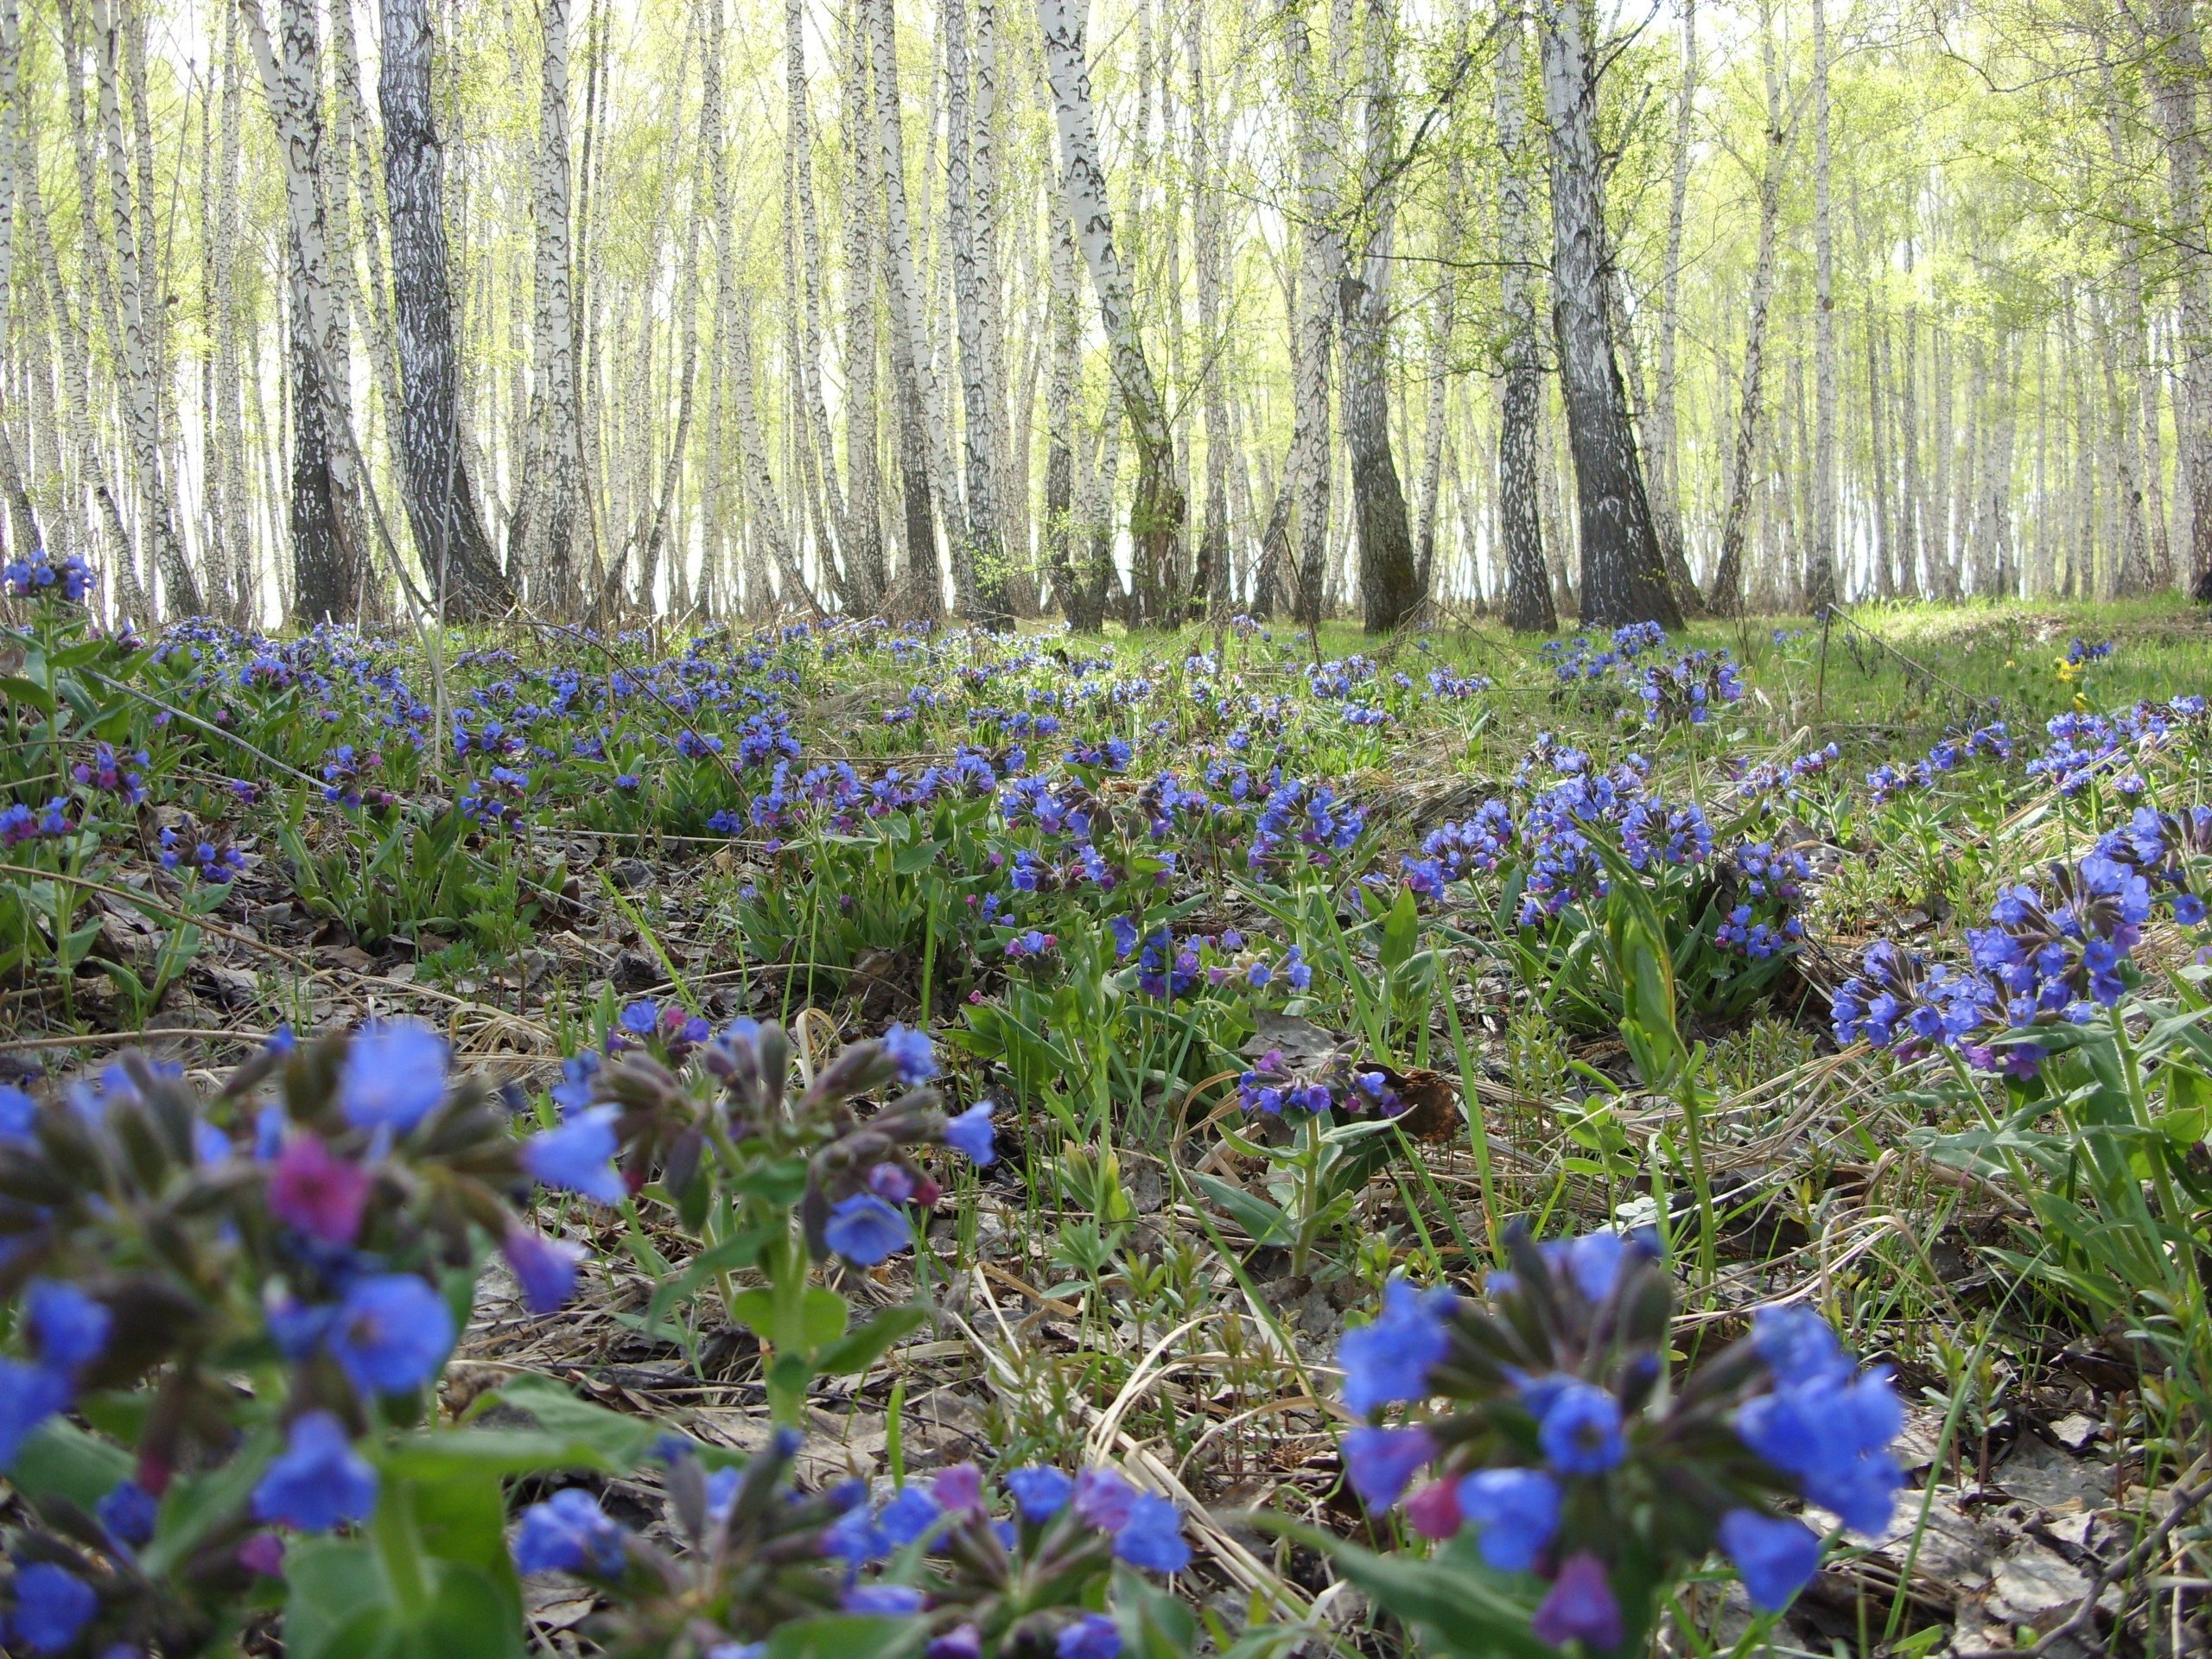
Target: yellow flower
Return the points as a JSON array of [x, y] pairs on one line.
[[2068, 672]]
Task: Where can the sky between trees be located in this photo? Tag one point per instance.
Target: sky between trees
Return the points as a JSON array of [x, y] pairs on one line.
[[1357, 306]]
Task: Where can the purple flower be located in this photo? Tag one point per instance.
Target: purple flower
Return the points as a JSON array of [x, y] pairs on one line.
[[864, 1230], [546, 1269], [1093, 1636], [569, 1533], [1774, 1557], [1103, 1499], [52, 1606], [18, 1116], [578, 1156], [1388, 1359], [884, 1601], [321, 1194], [959, 1488], [1379, 1461], [70, 1328], [971, 1134], [1581, 1429], [319, 1482], [1517, 1511], [1581, 1606], [391, 1331], [1040, 1493], [1152, 1536], [961, 1641], [395, 1072]]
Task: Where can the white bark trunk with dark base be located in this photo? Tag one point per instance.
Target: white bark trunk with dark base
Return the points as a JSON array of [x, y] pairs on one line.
[[1520, 526], [1157, 513], [1623, 577], [449, 535]]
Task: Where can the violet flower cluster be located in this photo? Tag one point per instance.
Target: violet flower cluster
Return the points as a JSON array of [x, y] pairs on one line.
[[2056, 951], [1566, 1452], [293, 1226], [1024, 1584]]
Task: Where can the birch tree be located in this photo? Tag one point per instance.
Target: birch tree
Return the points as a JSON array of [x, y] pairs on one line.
[[1158, 509], [1820, 591], [1623, 578], [449, 539], [542, 541], [1520, 526], [980, 563]]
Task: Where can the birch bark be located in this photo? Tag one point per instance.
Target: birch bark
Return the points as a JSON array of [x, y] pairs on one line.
[[1520, 526], [135, 343], [1820, 590], [979, 565], [1623, 578], [863, 548], [542, 547], [449, 537], [1158, 509]]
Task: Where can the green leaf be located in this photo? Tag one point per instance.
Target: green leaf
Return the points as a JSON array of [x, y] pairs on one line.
[[195, 1504], [334, 1600], [856, 1351], [60, 1460], [823, 1317], [467, 1613], [619, 1439], [913, 861], [1401, 932], [1268, 1223], [1469, 1618], [1154, 1624], [846, 1636]]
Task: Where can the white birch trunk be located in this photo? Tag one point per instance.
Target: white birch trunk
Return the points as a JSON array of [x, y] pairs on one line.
[[979, 565]]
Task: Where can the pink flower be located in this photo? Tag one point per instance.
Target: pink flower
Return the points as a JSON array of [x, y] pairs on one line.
[[318, 1192], [1580, 1605], [1434, 1510]]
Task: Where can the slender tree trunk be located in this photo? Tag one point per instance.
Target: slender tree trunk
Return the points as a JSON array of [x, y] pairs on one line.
[[1528, 606], [1211, 581], [2176, 62], [1157, 513], [441, 504], [910, 348], [541, 543], [980, 561], [1726, 597], [1820, 564], [1662, 427], [1320, 260], [328, 571], [1624, 578], [863, 540], [135, 344], [28, 541]]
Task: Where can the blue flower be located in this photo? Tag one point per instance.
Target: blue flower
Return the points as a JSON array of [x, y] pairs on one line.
[[578, 1156], [971, 1134], [1379, 1461], [1517, 1511], [1776, 1558], [1040, 1493], [391, 1333], [864, 1230], [546, 1269], [1388, 1359], [70, 1328], [569, 1533], [855, 1537], [1581, 1430], [884, 1601], [1093, 1636], [911, 1053], [1579, 1606], [909, 1516], [1833, 1434], [1151, 1537], [320, 1481], [395, 1072], [127, 1512], [52, 1606], [18, 1116], [28, 1395]]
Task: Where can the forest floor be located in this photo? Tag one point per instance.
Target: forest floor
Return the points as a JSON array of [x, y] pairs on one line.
[[522, 844]]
